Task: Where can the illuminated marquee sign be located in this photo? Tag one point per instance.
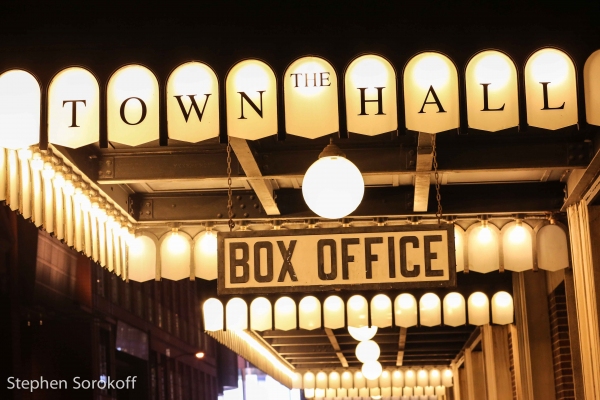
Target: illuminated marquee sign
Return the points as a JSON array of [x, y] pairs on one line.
[[308, 97], [326, 259]]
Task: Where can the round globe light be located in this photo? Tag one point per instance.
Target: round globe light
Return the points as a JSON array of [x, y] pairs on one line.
[[362, 334], [367, 351], [372, 370], [333, 187]]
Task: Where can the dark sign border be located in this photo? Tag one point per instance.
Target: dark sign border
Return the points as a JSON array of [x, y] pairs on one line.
[[221, 236]]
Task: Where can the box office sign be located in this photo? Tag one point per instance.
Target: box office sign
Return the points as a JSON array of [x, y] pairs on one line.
[[344, 258]]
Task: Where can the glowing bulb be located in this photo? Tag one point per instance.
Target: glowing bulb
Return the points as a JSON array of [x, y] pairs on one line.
[[24, 154], [59, 180], [367, 350], [68, 188], [517, 233], [431, 70], [200, 354], [502, 299], [48, 171], [372, 370], [453, 300], [485, 235], [406, 301], [479, 299], [333, 187], [429, 301], [333, 303], [362, 334], [136, 246], [494, 69], [37, 163], [176, 243]]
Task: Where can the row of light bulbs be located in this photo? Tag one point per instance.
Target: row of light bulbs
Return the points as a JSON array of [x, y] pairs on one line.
[[43, 189], [405, 312], [398, 382]]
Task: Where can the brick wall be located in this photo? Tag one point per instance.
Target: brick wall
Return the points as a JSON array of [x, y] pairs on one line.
[[563, 370]]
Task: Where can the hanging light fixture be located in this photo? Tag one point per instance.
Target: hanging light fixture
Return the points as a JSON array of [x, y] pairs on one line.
[[333, 187]]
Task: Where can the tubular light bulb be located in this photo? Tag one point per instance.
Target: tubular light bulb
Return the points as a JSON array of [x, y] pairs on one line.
[[37, 162], [48, 171], [362, 334]]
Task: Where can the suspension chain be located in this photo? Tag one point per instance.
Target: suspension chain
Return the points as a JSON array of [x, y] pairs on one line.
[[230, 223], [438, 196]]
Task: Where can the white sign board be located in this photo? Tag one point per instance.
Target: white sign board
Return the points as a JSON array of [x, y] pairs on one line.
[[344, 258]]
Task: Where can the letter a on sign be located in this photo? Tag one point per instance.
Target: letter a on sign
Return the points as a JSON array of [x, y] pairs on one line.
[[132, 106], [193, 103], [431, 93], [251, 97], [550, 88], [371, 96], [74, 108]]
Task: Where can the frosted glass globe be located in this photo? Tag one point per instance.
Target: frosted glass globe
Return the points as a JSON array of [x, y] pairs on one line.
[[367, 351], [372, 370], [362, 334], [333, 187]]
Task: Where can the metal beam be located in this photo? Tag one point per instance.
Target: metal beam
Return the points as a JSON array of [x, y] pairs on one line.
[[336, 347], [423, 165], [401, 346], [262, 187], [382, 201], [492, 151], [584, 183]]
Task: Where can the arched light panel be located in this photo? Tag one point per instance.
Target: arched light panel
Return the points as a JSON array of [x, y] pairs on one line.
[[193, 103], [492, 91], [551, 89], [310, 313], [236, 314], [517, 246], [358, 310], [483, 249], [143, 258], [334, 312], [552, 248], [205, 255], [261, 314], [74, 108], [132, 102], [431, 93], [175, 255], [479, 309], [251, 99], [381, 311], [285, 314], [310, 87], [19, 110]]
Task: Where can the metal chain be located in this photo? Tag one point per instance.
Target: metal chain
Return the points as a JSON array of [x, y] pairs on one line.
[[438, 196], [229, 194]]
